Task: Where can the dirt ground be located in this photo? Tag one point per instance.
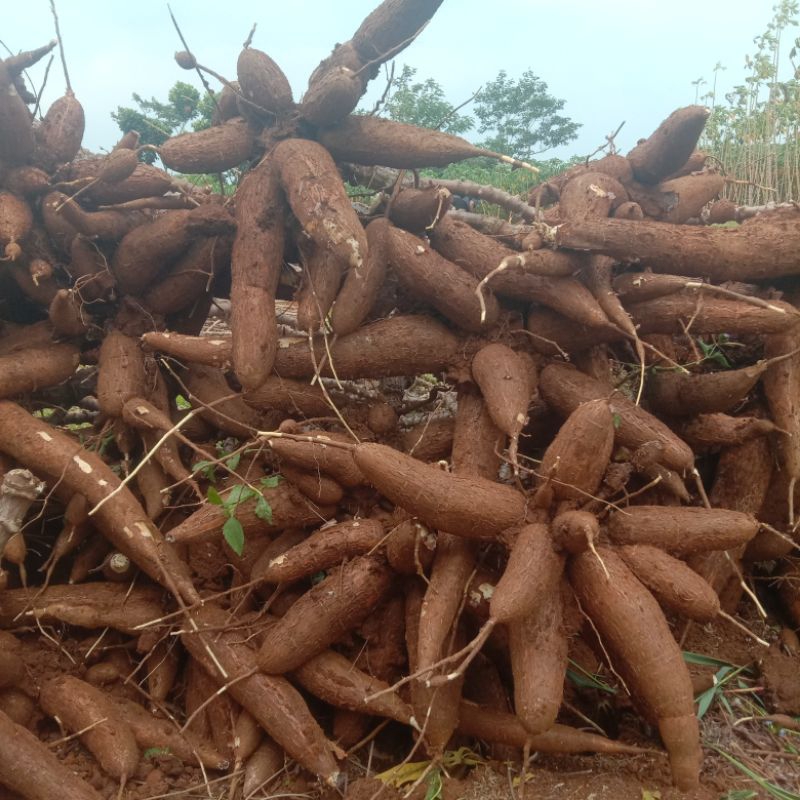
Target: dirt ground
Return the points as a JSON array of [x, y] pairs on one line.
[[732, 728]]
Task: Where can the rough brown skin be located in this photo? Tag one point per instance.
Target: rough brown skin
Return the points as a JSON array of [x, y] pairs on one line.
[[317, 456], [712, 431], [323, 549], [466, 506], [208, 386], [190, 276], [18, 338], [90, 605], [18, 707], [614, 165], [597, 276], [320, 489], [324, 614], [505, 383], [150, 481], [121, 373], [256, 263], [434, 279], [272, 700], [629, 210], [16, 219], [293, 397], [574, 462], [637, 637], [438, 709], [682, 531], [262, 82], [676, 587], [389, 27], [573, 531], [29, 767], [757, 250], [290, 509], [147, 250], [89, 269], [683, 198], [401, 345], [264, 764], [362, 284], [710, 315], [323, 272], [789, 589], [669, 147], [34, 368], [59, 231], [409, 547], [16, 131], [418, 210], [59, 137], [554, 334], [476, 440], [145, 181], [374, 140], [43, 292], [685, 394], [79, 705], [47, 451], [545, 279], [431, 439], [331, 677], [316, 195], [781, 384], [531, 576], [588, 195], [565, 389], [66, 314], [333, 91], [537, 644], [212, 150], [495, 726], [151, 731], [12, 667], [110, 225], [213, 351]]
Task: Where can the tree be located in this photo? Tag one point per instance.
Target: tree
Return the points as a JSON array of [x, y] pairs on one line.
[[424, 104], [521, 117], [156, 121]]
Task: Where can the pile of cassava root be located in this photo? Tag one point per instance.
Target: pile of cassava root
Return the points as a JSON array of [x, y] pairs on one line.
[[238, 547]]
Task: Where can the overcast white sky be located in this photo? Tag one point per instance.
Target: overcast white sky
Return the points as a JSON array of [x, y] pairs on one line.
[[631, 60]]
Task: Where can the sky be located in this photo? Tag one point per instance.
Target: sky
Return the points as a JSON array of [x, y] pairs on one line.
[[625, 60]]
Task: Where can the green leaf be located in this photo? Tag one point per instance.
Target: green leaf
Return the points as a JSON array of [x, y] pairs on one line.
[[233, 532], [648, 795], [213, 496], [271, 482], [617, 420], [181, 403], [771, 789], [205, 469], [239, 494], [152, 752], [705, 661], [434, 791], [264, 510], [233, 461]]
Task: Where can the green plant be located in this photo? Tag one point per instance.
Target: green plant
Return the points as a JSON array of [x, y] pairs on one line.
[[770, 788], [232, 530]]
